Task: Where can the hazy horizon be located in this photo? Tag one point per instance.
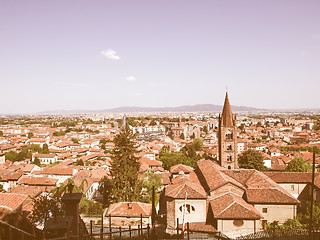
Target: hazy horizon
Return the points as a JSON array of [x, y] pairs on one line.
[[105, 54], [128, 109]]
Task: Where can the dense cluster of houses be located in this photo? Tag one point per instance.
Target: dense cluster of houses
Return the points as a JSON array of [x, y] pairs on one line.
[[216, 195]]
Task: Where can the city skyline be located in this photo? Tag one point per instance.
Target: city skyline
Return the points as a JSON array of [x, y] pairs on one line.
[[107, 54]]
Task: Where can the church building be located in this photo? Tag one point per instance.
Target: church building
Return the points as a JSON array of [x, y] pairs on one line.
[[220, 197]]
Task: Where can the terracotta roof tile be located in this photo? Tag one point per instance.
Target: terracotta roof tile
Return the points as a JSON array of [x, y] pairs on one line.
[[213, 177], [179, 190], [12, 200], [37, 181], [180, 168], [130, 209], [231, 206]]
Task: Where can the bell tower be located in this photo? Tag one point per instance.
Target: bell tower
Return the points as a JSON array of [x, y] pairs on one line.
[[227, 137]]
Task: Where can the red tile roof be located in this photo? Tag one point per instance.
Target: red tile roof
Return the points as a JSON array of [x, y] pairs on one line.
[[231, 206], [56, 171], [260, 188], [130, 209], [213, 177], [180, 168], [37, 181], [271, 196], [12, 200], [32, 191], [181, 189]]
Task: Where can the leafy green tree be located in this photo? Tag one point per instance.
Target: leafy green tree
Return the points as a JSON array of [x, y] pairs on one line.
[[241, 127], [11, 156], [80, 162], [34, 148], [44, 149], [36, 161], [1, 186], [182, 136], [106, 189], [153, 122], [252, 159], [18, 156], [30, 135], [292, 224], [151, 179], [164, 150], [103, 141], [170, 159], [304, 215], [298, 164], [47, 205], [75, 140], [90, 207], [59, 133], [272, 226], [205, 129], [124, 181], [198, 144], [44, 206], [1, 133], [316, 127]]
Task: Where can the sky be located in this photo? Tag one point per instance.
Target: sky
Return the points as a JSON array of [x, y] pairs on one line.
[[102, 54]]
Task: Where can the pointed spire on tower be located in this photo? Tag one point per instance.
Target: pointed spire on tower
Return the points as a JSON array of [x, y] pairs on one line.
[[227, 118]]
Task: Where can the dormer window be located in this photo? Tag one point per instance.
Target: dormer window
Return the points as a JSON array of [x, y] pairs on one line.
[[129, 205]]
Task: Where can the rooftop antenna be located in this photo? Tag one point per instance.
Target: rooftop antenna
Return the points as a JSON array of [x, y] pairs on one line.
[[226, 88]]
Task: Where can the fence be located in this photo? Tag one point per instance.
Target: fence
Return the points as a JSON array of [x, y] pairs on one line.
[[9, 232]]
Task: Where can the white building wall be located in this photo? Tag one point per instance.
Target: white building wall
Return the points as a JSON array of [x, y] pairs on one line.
[[199, 213], [230, 229], [277, 212]]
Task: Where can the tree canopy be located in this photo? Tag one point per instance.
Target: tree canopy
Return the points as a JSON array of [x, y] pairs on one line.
[[151, 179], [252, 159], [298, 164]]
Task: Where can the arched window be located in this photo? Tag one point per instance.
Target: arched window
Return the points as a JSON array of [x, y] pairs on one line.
[[229, 147], [229, 158], [189, 208]]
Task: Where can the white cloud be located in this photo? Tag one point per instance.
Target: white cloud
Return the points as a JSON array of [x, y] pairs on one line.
[[130, 78], [110, 54]]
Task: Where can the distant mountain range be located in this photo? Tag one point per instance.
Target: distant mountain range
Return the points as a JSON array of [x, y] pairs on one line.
[[131, 109]]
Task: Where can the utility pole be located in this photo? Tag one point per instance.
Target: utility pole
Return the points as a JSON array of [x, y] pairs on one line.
[[312, 190], [153, 214]]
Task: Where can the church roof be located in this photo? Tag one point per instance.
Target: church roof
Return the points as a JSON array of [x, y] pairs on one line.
[[231, 206], [226, 117], [185, 188]]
